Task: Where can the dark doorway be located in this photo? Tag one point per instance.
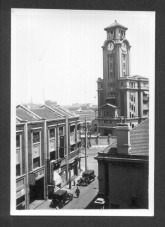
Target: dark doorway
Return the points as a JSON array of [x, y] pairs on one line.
[[37, 190], [76, 168], [61, 146], [107, 132]]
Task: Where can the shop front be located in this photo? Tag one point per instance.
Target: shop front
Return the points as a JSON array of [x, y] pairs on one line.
[[20, 193], [36, 185]]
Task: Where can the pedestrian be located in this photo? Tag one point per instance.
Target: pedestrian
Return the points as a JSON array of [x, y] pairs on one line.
[[77, 192]]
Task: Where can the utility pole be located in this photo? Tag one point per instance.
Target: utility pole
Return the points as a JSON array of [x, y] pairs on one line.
[[66, 147], [26, 168], [85, 143], [46, 162]]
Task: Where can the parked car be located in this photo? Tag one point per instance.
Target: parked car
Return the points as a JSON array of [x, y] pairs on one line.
[[61, 198], [87, 177], [99, 203]]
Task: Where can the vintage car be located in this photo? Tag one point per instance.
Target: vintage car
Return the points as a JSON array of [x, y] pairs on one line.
[[87, 177], [60, 198], [99, 203]]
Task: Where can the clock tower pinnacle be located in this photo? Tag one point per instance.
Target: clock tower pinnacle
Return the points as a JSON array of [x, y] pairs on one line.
[[116, 60]]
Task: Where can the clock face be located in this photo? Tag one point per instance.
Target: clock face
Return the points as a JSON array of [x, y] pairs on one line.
[[110, 46], [124, 47]]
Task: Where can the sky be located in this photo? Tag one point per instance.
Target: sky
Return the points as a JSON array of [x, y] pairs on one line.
[[57, 54]]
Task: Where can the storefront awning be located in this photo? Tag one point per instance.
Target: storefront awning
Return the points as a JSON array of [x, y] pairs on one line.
[[146, 92], [57, 178]]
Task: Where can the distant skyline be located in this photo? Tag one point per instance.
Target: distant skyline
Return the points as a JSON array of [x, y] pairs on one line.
[[56, 54]]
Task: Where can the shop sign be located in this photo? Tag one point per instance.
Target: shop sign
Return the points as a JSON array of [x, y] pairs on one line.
[[36, 151], [20, 183], [32, 178], [72, 138], [52, 145], [39, 174], [20, 193], [18, 156]]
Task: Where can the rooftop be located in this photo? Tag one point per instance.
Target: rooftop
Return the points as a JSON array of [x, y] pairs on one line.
[[45, 113], [115, 24], [139, 139], [24, 114]]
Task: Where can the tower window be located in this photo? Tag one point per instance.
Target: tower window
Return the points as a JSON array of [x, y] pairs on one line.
[[111, 74]]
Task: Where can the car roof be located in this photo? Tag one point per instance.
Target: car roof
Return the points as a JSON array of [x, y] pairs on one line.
[[88, 171], [60, 192]]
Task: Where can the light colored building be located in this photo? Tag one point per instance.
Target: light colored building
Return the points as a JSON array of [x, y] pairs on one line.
[[119, 93], [47, 152]]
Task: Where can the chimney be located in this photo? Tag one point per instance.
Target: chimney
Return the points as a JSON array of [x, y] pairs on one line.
[[123, 139]]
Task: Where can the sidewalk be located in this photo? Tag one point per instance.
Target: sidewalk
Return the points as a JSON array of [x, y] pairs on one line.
[[34, 205]]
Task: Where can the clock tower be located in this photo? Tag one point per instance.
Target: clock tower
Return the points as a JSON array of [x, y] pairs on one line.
[[121, 96], [116, 61]]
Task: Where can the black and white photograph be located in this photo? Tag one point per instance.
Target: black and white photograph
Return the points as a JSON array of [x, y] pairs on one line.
[[82, 112]]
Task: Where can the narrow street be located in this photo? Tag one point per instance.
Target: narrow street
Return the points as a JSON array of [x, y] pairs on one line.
[[87, 193]]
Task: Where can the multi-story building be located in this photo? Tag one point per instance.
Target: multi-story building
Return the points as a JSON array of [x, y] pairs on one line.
[[119, 93], [47, 152]]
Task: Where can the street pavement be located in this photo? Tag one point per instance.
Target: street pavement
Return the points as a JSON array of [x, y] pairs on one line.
[[87, 193]]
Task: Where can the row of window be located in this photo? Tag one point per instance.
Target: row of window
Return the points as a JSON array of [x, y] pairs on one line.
[[132, 107], [132, 115], [110, 74], [121, 32], [132, 97], [36, 147], [111, 84], [112, 93], [131, 84]]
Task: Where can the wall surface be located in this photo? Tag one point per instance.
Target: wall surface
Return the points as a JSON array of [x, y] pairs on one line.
[[126, 181]]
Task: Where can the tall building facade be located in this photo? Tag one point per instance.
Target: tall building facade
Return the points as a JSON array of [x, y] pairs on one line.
[[120, 95]]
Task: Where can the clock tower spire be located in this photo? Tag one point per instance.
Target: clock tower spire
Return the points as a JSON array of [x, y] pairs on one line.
[[120, 95], [116, 60]]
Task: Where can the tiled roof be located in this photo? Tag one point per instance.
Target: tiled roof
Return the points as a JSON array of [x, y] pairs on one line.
[[17, 121], [139, 138], [45, 113], [25, 115], [115, 24], [63, 111]]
